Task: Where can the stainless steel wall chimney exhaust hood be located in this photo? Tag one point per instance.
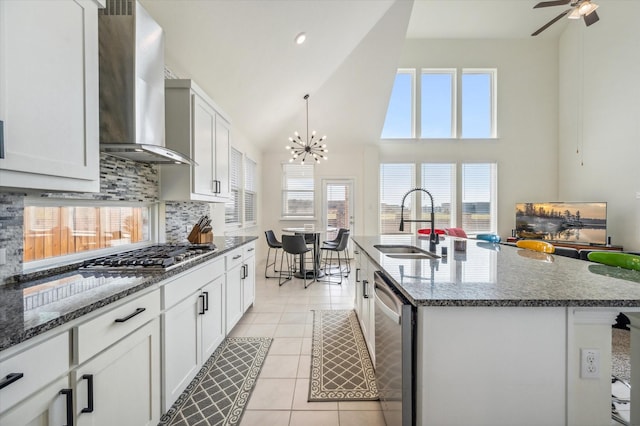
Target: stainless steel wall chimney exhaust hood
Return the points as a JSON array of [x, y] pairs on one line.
[[132, 85]]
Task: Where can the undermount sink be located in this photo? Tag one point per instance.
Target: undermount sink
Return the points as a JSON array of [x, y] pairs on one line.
[[405, 252]]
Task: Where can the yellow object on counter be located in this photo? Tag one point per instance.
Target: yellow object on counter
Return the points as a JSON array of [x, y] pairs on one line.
[[541, 246]]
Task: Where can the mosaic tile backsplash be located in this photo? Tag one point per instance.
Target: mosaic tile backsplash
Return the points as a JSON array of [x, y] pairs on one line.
[[120, 180]]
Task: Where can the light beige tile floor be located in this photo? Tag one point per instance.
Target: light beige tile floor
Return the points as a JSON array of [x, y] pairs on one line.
[[286, 314]]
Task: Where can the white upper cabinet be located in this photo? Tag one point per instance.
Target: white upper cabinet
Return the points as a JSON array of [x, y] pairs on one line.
[[49, 95], [197, 127]]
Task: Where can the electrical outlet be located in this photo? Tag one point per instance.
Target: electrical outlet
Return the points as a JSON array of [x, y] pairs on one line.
[[590, 363]]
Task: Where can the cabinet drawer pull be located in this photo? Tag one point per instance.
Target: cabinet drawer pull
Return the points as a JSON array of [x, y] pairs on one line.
[[251, 249], [89, 379], [11, 377], [69, 394], [237, 257], [131, 315], [206, 300], [365, 288]]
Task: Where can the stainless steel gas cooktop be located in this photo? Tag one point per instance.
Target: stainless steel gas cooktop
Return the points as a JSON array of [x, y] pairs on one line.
[[156, 258]]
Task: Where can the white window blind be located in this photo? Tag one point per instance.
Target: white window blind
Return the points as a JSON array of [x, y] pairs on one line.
[[232, 207], [250, 191], [399, 122], [440, 180], [438, 103], [395, 181], [479, 197], [298, 188]]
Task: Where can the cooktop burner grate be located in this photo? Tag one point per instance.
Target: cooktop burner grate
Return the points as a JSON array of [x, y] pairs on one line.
[[159, 257]]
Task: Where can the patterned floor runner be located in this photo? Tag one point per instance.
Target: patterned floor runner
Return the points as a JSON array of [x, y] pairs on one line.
[[220, 391], [341, 369]]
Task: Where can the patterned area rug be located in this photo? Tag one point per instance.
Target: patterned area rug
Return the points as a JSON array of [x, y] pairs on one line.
[[220, 391], [341, 369]]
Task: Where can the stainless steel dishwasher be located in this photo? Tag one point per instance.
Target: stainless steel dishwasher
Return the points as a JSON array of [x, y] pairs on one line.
[[395, 359]]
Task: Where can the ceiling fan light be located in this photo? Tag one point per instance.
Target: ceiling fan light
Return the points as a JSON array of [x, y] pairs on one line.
[[575, 14], [587, 7]]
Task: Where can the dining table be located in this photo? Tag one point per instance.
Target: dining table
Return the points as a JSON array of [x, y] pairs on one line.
[[312, 236]]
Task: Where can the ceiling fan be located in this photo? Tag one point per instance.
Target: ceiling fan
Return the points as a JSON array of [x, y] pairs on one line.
[[578, 9]]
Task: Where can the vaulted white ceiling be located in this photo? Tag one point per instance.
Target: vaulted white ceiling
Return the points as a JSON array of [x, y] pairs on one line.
[[243, 54]]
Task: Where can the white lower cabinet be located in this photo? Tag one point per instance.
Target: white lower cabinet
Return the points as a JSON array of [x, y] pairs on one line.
[[193, 325], [364, 301], [51, 406], [249, 277], [235, 304], [241, 284], [121, 385]]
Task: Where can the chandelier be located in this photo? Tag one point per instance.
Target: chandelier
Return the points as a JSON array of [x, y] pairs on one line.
[[313, 148]]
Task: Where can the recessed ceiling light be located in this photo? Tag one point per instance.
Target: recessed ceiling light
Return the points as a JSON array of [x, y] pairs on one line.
[[300, 38]]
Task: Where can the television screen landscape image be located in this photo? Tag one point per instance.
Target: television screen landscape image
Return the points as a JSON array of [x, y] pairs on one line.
[[572, 222]]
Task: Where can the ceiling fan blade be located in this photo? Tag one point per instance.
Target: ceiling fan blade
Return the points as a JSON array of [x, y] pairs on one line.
[[551, 22], [551, 3], [591, 18]]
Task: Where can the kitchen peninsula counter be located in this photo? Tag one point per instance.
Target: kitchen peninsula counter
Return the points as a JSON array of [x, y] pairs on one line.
[[488, 274], [35, 303], [499, 331]]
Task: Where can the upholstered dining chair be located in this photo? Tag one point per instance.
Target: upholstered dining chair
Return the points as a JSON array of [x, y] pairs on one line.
[[292, 246], [334, 243], [328, 258], [272, 243]]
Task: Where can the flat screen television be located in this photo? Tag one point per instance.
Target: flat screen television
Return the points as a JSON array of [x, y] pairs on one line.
[[571, 222]]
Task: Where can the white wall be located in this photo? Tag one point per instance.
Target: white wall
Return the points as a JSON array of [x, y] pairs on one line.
[[600, 117], [526, 148]]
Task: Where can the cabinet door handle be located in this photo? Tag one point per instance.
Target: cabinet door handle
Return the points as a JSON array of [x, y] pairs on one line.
[[131, 315], [244, 272], [216, 186], [202, 310], [10, 378], [69, 394], [89, 379], [206, 300], [357, 275], [1, 139], [365, 288]]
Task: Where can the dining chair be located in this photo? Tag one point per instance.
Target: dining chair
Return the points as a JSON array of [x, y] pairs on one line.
[[292, 246], [336, 241], [272, 243], [328, 258]]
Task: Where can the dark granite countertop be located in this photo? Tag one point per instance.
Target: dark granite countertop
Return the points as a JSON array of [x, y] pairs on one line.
[[489, 274], [39, 302]]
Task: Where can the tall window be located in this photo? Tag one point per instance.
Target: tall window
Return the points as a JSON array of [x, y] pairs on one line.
[[232, 207], [298, 190], [250, 192], [68, 227], [438, 103], [463, 196], [452, 104], [395, 181], [478, 104], [479, 197], [399, 122]]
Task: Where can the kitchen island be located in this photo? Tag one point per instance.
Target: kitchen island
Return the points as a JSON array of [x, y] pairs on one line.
[[499, 332]]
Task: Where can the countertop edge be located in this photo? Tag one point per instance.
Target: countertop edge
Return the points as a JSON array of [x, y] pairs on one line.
[[8, 341]]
